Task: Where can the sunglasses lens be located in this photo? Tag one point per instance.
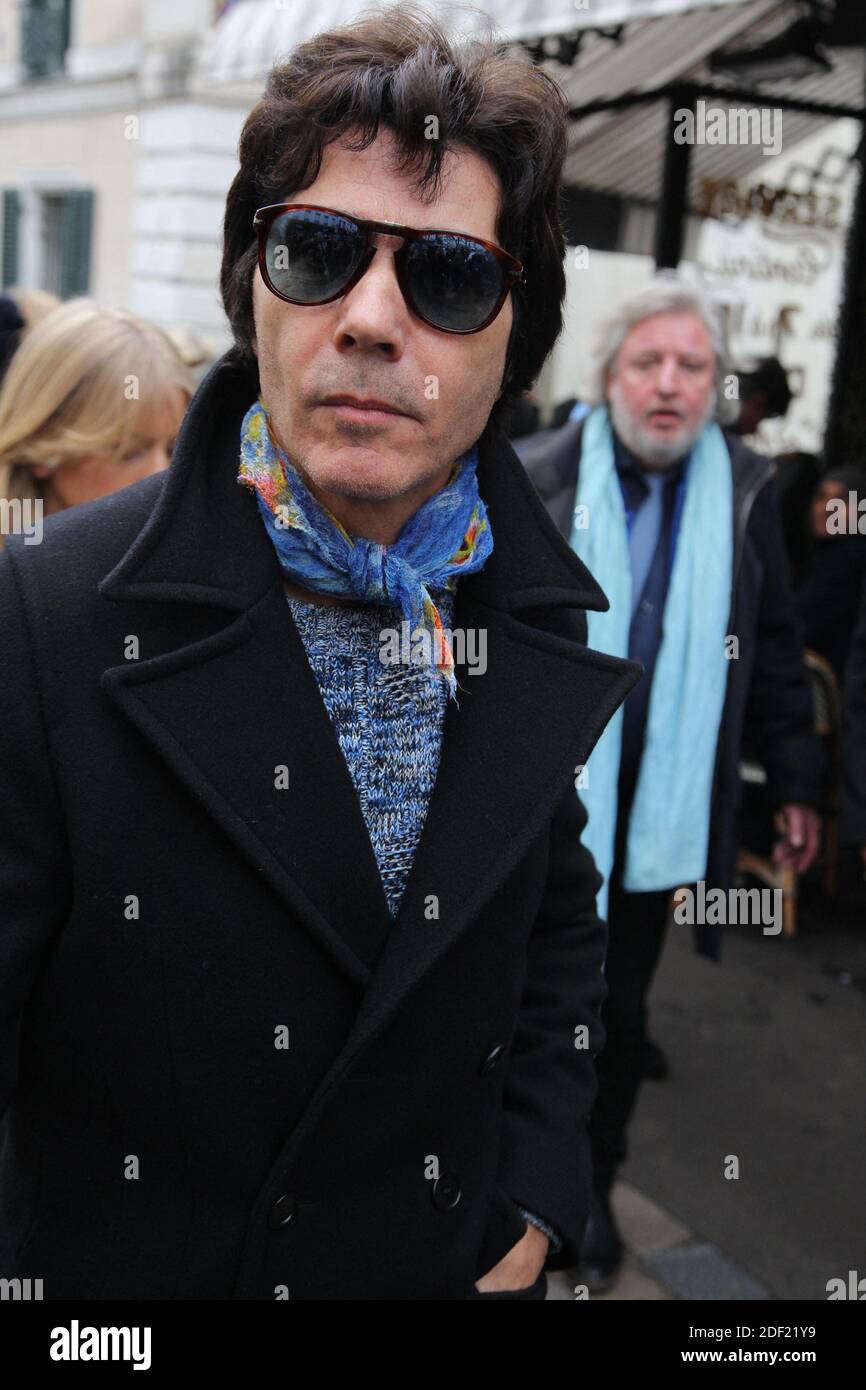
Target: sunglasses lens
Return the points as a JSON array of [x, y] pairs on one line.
[[455, 282], [311, 255]]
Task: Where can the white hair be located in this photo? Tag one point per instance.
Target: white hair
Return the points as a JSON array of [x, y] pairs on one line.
[[666, 293]]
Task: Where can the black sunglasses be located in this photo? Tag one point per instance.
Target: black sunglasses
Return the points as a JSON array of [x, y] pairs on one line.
[[311, 255]]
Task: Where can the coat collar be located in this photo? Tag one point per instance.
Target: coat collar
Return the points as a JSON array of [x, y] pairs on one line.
[[199, 544], [226, 711]]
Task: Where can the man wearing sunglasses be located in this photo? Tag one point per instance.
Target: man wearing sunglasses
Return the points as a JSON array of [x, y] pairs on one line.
[[300, 949]]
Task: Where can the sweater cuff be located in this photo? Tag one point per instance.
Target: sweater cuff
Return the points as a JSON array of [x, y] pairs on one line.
[[555, 1241]]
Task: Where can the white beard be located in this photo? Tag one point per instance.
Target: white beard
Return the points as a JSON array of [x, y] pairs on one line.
[[654, 453]]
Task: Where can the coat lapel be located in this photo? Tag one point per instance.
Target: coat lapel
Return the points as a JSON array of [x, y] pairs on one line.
[[229, 709], [512, 745], [236, 742]]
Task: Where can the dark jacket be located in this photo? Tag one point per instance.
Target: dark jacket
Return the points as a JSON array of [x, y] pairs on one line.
[[767, 685], [165, 907], [853, 826], [828, 597]]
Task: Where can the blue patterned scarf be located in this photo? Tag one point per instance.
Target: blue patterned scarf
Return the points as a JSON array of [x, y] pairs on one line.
[[447, 537]]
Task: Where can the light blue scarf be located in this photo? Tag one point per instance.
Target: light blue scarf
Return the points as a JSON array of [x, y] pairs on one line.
[[669, 825]]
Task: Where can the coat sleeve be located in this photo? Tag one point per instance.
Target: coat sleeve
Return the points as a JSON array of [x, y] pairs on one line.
[[34, 869], [555, 1240], [551, 1082], [780, 697], [853, 827]]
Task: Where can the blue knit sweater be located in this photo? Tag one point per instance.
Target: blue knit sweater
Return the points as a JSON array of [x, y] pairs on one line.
[[388, 720]]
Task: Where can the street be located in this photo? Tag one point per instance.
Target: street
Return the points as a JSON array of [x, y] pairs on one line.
[[767, 1055]]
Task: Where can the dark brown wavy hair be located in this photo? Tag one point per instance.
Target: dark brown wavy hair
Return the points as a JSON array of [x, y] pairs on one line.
[[397, 68]]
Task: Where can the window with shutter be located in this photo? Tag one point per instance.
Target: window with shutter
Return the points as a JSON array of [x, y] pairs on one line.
[[11, 214], [76, 224], [45, 26]]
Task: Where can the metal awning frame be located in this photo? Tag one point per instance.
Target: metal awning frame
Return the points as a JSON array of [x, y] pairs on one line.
[[673, 196], [733, 95]]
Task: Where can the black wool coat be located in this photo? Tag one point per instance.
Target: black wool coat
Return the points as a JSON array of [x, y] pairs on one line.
[[168, 913], [767, 686]]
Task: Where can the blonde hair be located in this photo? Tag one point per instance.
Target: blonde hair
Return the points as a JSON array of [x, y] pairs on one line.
[[84, 381], [33, 305]]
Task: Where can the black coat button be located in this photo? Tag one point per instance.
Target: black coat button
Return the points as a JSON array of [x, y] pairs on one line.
[[282, 1211], [446, 1191], [491, 1062]]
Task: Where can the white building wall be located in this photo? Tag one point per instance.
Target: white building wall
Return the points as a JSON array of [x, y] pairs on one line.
[[187, 160], [56, 154], [121, 121]]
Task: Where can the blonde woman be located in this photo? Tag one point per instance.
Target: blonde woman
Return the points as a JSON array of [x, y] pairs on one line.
[[21, 310], [92, 401]]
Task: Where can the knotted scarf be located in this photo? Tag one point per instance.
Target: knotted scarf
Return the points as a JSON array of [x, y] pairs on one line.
[[448, 536]]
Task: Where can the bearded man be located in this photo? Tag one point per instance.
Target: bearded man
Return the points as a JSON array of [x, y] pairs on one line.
[[680, 524]]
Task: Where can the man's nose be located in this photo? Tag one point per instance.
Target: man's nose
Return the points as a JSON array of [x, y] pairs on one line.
[[668, 379], [373, 312]]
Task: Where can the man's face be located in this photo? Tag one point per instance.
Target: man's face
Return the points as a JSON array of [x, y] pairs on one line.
[[661, 388], [373, 474]]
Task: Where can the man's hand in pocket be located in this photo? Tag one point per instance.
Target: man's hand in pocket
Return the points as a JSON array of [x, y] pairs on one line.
[[520, 1267]]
